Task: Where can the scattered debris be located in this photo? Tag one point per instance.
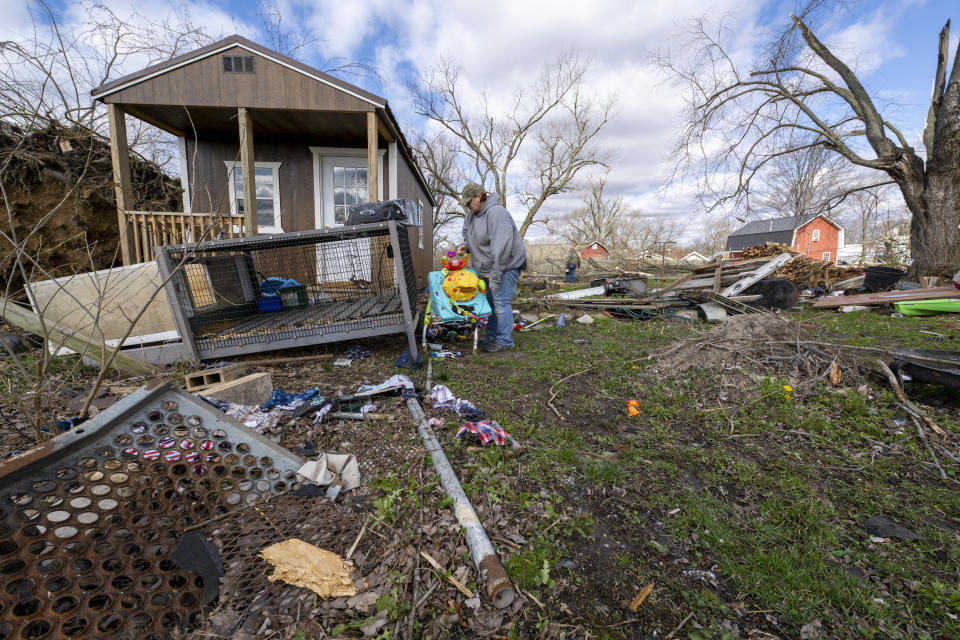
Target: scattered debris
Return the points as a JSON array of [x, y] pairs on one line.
[[332, 469], [300, 563], [885, 528], [640, 597], [194, 552]]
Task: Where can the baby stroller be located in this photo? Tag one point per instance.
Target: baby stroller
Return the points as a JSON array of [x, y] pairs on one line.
[[461, 306]]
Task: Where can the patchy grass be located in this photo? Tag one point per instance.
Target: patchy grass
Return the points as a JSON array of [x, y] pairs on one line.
[[743, 505]]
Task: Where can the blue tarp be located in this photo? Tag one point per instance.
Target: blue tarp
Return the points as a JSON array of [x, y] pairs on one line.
[[444, 311]]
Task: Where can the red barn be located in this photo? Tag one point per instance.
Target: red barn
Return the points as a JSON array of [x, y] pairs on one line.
[[596, 251], [814, 236]]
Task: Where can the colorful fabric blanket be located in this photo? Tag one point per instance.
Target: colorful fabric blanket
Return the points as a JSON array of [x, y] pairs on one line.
[[487, 430]]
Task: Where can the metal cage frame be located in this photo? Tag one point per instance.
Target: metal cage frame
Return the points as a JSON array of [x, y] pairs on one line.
[[344, 323]]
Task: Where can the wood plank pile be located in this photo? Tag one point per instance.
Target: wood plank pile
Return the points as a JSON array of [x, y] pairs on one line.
[[803, 271]]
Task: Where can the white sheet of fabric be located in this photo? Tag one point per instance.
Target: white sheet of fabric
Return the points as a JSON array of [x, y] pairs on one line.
[[251, 416], [367, 408], [392, 383], [330, 467], [442, 397], [319, 417]]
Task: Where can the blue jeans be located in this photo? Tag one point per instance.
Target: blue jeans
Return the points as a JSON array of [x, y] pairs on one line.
[[500, 324], [571, 268]]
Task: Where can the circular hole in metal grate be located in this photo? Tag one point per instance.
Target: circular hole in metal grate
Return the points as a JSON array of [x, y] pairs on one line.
[[26, 607], [36, 629], [74, 627]]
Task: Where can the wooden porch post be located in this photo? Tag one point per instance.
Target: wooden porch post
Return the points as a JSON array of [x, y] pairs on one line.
[[249, 173], [120, 158], [372, 154]]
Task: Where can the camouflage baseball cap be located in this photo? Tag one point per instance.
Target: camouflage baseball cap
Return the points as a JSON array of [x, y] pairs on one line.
[[469, 191]]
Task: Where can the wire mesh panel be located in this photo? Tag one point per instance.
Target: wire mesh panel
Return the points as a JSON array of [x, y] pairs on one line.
[[89, 519], [246, 295]]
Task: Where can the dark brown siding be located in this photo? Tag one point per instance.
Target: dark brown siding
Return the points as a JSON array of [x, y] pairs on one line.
[[409, 187], [273, 86], [210, 189]]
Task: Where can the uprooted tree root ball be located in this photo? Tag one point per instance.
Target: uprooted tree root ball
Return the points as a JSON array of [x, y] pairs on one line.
[[758, 343]]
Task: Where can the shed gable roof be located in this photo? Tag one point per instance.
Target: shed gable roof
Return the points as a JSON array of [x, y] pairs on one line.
[[232, 42]]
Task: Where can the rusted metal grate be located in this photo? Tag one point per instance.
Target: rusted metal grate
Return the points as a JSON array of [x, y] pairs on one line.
[[90, 518], [250, 598]]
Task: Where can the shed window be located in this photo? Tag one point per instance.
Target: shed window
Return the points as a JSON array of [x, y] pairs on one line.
[[419, 222], [267, 181], [815, 237], [826, 256], [238, 64]]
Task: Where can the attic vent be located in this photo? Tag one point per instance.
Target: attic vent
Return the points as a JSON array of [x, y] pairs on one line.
[[238, 64]]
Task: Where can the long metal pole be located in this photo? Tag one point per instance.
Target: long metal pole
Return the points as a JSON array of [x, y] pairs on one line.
[[498, 584]]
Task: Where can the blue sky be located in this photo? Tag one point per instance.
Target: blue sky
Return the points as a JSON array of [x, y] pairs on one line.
[[501, 44]]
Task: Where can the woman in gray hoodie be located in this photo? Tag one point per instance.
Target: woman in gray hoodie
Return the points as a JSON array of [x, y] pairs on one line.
[[498, 255]]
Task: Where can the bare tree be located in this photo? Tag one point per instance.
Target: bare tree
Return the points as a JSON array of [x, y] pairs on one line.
[[751, 114], [600, 219], [714, 235], [533, 150], [437, 156], [803, 184]]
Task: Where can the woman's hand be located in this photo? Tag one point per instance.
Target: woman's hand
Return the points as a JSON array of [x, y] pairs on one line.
[[462, 249]]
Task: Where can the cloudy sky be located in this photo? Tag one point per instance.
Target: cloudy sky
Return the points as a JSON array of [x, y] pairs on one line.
[[501, 44]]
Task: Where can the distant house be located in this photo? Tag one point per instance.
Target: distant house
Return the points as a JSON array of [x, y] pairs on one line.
[[595, 250], [694, 257], [814, 236]]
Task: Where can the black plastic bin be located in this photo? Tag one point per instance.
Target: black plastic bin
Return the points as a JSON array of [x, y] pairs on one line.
[[881, 278]]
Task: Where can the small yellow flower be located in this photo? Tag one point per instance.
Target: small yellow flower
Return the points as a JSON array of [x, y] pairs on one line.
[[787, 388], [787, 396]]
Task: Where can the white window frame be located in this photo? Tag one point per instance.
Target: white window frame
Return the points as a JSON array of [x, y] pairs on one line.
[[318, 186], [277, 227], [420, 223], [815, 235], [826, 256]]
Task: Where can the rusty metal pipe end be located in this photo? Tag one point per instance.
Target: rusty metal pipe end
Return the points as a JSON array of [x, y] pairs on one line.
[[499, 587]]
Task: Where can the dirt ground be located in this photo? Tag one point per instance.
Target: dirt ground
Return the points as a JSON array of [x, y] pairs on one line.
[[738, 494]]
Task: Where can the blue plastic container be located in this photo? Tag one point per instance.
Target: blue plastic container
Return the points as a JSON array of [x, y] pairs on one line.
[[268, 304]]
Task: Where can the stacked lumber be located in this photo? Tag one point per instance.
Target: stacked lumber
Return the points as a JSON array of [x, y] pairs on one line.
[[767, 250], [803, 271]]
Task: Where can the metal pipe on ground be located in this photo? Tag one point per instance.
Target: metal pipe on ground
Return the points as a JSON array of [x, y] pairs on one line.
[[495, 578]]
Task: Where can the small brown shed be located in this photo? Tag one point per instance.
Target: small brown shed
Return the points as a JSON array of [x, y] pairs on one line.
[[313, 144]]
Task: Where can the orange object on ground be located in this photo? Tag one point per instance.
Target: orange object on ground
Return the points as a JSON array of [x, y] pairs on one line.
[[633, 407]]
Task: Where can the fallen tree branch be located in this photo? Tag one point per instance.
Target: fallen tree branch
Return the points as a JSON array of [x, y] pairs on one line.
[[902, 397], [926, 443]]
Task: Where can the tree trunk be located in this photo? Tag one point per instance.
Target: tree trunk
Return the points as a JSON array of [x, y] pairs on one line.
[[934, 230]]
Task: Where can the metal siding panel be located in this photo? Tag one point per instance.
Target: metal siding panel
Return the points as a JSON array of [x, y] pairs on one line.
[[210, 74], [293, 96], [275, 97], [178, 87], [246, 86]]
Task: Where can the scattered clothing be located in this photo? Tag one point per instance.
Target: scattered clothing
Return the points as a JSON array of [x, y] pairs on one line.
[[442, 397], [368, 408], [446, 354], [250, 416], [288, 401], [487, 430], [407, 361], [356, 352], [393, 383], [323, 411], [562, 320]]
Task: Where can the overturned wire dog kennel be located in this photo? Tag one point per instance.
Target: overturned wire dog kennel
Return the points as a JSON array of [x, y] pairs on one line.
[[246, 295]]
